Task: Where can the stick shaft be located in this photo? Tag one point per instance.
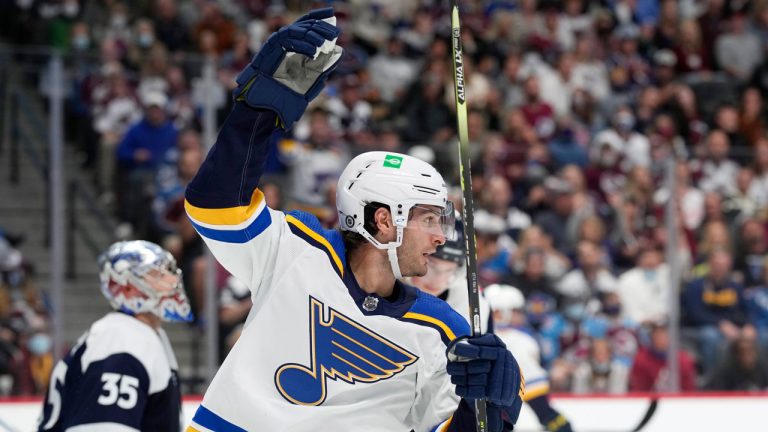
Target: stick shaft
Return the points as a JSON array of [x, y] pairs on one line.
[[466, 191]]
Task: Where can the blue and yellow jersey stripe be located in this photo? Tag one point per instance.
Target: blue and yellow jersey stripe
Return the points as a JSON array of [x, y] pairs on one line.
[[442, 427], [234, 224], [315, 239], [432, 312], [206, 420]]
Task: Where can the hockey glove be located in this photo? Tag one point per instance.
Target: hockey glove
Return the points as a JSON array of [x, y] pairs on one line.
[[291, 68], [482, 368]]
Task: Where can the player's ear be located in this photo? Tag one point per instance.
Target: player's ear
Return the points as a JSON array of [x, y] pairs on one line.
[[382, 218]]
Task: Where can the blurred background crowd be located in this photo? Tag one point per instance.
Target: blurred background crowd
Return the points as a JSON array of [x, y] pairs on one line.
[[575, 107]]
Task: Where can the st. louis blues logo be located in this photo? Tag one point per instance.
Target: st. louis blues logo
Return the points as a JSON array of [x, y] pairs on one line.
[[339, 348]]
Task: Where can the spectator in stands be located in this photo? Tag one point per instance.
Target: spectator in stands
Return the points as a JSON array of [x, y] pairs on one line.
[[169, 28], [609, 323], [391, 72], [532, 278], [560, 220], [170, 183], [222, 28], [601, 373], [715, 235], [118, 112], [146, 146], [752, 250], [429, 118], [633, 147], [590, 278], [718, 172], [715, 308], [535, 240], [752, 124], [760, 165], [644, 290], [650, 371], [744, 370], [492, 256], [234, 306], [738, 51], [349, 113], [689, 198], [537, 113], [692, 55], [756, 298], [496, 197]]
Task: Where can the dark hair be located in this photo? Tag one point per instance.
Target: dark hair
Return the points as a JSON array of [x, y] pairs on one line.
[[353, 240]]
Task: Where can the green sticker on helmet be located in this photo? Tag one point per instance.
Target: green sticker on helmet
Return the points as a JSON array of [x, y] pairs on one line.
[[392, 161]]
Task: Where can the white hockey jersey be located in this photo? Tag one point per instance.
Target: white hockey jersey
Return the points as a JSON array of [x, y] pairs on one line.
[[457, 297], [525, 348], [316, 352], [121, 376]]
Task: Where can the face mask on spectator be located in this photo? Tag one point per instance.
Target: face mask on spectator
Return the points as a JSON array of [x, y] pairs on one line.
[[575, 312], [612, 310], [625, 121], [81, 42], [145, 40], [39, 344]]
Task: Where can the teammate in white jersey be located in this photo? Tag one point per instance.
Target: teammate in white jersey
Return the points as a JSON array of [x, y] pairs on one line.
[[446, 279], [508, 305], [334, 340], [122, 373]]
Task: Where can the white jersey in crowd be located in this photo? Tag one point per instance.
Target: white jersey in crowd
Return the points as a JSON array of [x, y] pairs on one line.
[[317, 352], [121, 376]]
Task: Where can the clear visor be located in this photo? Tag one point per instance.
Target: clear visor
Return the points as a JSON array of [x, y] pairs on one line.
[[435, 220]]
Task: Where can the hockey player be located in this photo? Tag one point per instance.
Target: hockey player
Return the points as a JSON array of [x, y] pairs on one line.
[[446, 278], [508, 305], [334, 341], [122, 373]]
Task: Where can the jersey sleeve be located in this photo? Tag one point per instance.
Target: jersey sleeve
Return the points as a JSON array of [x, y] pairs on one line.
[[113, 395], [223, 201]]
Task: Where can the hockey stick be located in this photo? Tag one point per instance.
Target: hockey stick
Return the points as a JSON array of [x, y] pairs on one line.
[[467, 207]]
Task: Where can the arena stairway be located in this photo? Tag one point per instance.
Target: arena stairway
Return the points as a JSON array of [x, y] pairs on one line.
[[23, 210]]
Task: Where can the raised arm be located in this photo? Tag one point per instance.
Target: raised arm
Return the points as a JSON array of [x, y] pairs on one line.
[[223, 200]]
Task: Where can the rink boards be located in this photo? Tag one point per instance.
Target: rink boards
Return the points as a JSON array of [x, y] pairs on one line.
[[699, 412]]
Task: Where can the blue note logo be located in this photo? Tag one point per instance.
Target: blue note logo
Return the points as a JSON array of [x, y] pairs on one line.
[[339, 349]]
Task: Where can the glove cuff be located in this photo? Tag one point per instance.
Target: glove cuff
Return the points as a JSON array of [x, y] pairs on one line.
[[263, 92]]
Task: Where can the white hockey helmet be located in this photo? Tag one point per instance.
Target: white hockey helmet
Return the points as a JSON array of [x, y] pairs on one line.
[[141, 277], [504, 297], [398, 181]]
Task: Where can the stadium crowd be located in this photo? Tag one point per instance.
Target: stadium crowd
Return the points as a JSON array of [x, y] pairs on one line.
[[575, 106]]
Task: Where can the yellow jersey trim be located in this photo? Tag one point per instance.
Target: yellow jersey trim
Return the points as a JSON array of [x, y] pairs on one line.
[[421, 317], [226, 216], [318, 238]]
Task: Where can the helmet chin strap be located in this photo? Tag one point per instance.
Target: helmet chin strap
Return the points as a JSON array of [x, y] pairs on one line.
[[392, 254], [391, 248]]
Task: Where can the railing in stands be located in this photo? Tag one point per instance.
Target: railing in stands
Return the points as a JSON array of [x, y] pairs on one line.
[[31, 144]]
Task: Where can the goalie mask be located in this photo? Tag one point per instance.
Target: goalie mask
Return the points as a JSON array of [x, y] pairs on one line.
[[400, 182], [142, 277]]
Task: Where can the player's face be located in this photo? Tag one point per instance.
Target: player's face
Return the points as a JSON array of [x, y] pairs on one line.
[[421, 237], [440, 274]]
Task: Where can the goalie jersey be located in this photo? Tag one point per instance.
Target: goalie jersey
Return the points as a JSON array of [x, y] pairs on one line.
[[316, 351], [121, 376]]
